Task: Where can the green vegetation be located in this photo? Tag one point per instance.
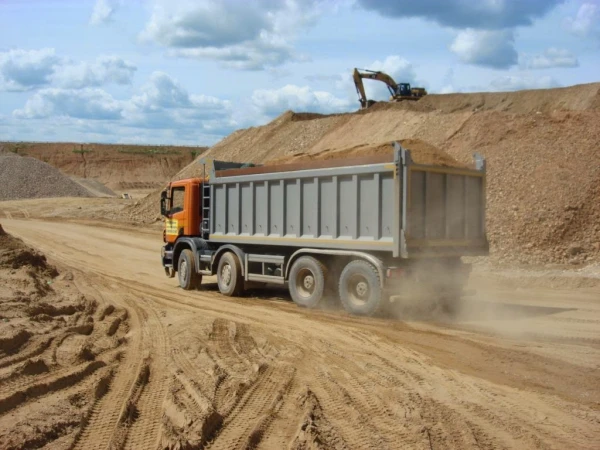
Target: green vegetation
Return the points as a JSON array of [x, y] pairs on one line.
[[16, 147], [150, 151], [82, 150]]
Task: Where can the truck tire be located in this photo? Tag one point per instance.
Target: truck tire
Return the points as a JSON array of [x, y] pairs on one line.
[[307, 281], [186, 271], [451, 304], [229, 275], [360, 288]]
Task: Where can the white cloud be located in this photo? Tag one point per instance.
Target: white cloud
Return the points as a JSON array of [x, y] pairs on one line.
[[448, 84], [22, 70], [482, 14], [489, 48], [552, 57], [272, 102], [89, 103], [240, 35], [105, 70], [586, 22], [68, 129], [263, 53], [161, 104], [163, 92], [518, 83], [323, 77], [103, 11]]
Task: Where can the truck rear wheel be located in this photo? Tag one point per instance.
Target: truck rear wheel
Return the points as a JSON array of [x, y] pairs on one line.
[[451, 303], [186, 271], [229, 275], [307, 281], [360, 288]]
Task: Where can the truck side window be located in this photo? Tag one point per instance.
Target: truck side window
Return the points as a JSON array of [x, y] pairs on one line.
[[177, 197]]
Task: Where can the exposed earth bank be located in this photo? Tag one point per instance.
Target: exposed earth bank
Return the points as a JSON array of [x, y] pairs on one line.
[[121, 168]]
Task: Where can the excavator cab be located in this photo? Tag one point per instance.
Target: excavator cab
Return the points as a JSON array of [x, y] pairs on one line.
[[404, 90]]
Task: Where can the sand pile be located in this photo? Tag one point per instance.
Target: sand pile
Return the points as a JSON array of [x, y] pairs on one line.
[[583, 97], [24, 177], [541, 146], [543, 183], [421, 153], [57, 350], [289, 133]]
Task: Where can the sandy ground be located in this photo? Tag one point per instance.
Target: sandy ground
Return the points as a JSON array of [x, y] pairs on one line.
[[519, 369]]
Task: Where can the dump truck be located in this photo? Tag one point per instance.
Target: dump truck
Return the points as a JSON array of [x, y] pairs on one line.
[[356, 230]]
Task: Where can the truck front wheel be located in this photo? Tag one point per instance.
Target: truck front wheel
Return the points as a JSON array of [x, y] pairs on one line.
[[186, 271], [360, 288], [307, 281], [229, 275]]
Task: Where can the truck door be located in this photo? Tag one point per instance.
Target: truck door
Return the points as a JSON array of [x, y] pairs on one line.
[[176, 216]]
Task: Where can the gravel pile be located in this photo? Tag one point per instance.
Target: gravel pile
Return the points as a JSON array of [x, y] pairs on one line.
[[23, 177], [543, 184]]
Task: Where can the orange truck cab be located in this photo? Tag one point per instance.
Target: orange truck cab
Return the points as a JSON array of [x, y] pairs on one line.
[[180, 207]]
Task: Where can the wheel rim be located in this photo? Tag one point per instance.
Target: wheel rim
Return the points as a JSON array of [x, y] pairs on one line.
[[183, 271], [359, 290], [226, 274], [305, 283]]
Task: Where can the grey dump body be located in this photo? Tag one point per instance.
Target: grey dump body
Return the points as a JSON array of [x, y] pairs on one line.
[[398, 208]]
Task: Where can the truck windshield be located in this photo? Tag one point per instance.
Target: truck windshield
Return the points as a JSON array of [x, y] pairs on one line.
[[177, 197]]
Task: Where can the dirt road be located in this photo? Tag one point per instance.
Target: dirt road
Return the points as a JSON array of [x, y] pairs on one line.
[[519, 370]]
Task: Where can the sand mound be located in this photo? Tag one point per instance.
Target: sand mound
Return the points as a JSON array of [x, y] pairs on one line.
[[543, 183], [53, 348], [288, 133], [541, 147], [421, 152], [23, 177], [574, 98]]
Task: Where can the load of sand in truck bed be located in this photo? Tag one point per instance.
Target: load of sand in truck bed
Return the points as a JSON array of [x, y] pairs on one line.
[[421, 152]]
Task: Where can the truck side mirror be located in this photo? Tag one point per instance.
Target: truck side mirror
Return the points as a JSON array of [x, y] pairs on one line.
[[163, 203]]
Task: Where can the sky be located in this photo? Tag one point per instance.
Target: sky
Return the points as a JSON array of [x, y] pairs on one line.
[[190, 72]]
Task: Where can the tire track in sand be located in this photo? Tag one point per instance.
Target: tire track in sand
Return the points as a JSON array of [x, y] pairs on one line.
[[145, 430], [103, 421], [247, 423]]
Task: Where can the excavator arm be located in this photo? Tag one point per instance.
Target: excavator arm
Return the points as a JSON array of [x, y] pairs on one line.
[[384, 77], [372, 75], [360, 88]]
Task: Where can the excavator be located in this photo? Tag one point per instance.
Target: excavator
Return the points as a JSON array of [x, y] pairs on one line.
[[398, 91]]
